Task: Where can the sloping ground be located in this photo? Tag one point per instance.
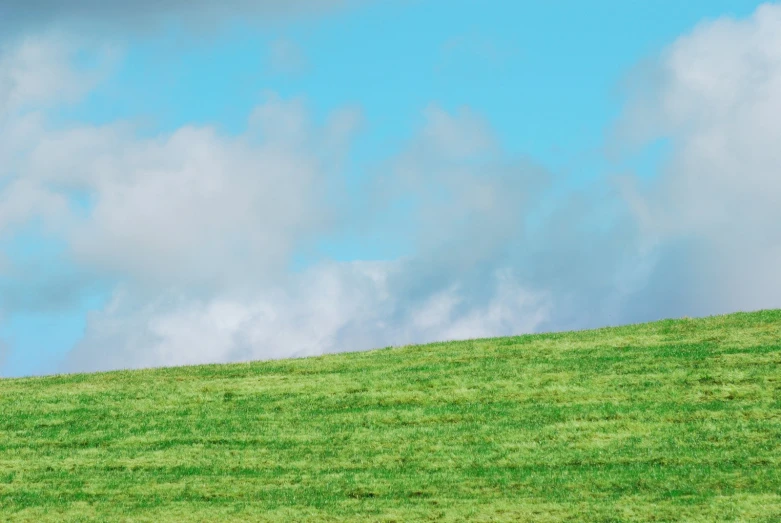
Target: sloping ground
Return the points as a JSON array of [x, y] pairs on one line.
[[668, 421]]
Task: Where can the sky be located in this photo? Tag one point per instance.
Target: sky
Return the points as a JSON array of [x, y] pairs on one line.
[[191, 182]]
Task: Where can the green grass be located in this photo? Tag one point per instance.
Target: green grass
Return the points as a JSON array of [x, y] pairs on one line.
[[678, 420]]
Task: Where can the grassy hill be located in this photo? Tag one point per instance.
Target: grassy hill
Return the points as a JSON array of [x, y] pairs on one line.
[[678, 420]]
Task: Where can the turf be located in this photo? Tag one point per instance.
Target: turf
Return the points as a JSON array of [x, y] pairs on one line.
[[678, 420]]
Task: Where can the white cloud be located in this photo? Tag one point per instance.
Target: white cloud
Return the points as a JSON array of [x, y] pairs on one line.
[[448, 291], [716, 97], [39, 72], [193, 207], [330, 308]]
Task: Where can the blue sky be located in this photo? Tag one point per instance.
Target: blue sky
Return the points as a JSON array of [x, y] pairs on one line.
[[546, 75], [544, 84]]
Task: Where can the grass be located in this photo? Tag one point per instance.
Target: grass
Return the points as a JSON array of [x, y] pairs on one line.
[[678, 420]]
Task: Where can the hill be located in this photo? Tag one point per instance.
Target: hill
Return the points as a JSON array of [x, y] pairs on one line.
[[677, 420]]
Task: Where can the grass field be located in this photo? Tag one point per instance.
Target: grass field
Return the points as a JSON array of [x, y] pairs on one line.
[[678, 420]]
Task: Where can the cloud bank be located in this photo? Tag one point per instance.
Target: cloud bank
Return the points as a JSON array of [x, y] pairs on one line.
[[196, 231]]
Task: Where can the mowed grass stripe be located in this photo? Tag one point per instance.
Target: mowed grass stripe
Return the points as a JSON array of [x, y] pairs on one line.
[[678, 420]]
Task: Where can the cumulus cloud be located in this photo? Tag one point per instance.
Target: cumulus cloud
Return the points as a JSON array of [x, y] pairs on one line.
[[446, 291], [192, 207], [716, 96]]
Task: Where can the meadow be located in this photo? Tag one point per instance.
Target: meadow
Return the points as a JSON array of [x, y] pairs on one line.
[[676, 420]]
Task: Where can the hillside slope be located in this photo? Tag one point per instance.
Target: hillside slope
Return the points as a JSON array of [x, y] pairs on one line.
[[673, 420]]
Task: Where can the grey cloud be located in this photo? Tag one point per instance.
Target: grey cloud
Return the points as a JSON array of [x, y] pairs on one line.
[[4, 352], [35, 287], [18, 16]]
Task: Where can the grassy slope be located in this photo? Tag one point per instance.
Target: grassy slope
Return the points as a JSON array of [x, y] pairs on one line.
[[674, 420]]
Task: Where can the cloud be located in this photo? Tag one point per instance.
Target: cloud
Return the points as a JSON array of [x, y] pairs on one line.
[[193, 208], [333, 307], [4, 351], [196, 229], [189, 208], [24, 16], [39, 72], [716, 96], [478, 270], [33, 284], [448, 290]]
